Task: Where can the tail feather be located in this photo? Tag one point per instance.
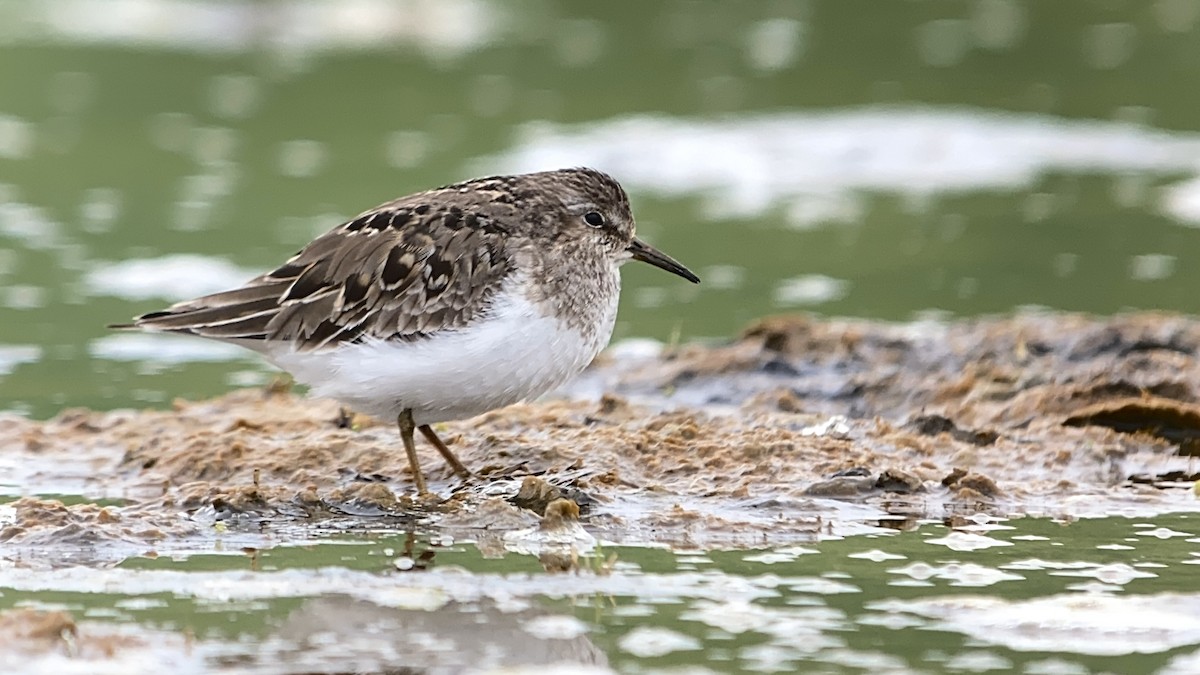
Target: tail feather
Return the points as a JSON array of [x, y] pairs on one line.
[[239, 296], [196, 320], [241, 313], [253, 327]]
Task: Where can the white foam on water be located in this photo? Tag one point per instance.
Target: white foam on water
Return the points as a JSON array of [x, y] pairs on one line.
[[957, 574], [806, 161], [163, 349], [1095, 624], [170, 277], [810, 289], [1181, 201], [12, 356], [652, 641], [967, 541], [438, 28]]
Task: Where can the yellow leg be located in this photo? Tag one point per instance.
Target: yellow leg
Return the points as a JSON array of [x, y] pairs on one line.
[[446, 453], [405, 421]]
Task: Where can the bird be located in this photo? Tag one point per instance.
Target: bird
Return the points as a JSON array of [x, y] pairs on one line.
[[443, 304]]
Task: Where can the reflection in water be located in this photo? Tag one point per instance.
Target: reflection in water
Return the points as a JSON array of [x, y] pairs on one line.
[[362, 637], [1060, 592]]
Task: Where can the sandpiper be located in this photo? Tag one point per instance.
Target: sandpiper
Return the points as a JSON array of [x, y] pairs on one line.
[[441, 305]]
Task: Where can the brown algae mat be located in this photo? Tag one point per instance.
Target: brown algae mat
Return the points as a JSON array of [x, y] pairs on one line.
[[797, 424]]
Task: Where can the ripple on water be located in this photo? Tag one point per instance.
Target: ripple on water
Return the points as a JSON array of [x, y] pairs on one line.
[[1116, 574]]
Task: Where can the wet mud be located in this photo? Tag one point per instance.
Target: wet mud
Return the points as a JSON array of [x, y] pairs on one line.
[[796, 425]]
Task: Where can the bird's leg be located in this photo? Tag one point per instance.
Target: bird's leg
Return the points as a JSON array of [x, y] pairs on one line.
[[405, 421], [430, 436]]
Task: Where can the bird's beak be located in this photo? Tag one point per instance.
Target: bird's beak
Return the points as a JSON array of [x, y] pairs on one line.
[[647, 253]]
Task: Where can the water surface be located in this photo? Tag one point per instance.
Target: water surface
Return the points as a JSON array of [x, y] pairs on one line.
[[909, 160]]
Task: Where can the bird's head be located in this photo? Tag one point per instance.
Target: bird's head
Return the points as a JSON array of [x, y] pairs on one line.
[[595, 208]]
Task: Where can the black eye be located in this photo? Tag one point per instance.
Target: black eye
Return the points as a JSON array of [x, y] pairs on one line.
[[594, 219]]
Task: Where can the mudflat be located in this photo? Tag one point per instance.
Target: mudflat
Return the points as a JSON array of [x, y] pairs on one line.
[[796, 424]]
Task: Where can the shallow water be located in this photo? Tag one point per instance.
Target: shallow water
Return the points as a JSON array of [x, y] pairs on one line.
[[923, 159], [927, 160], [1031, 595]]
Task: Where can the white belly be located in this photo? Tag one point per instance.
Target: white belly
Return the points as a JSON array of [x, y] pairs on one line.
[[516, 354]]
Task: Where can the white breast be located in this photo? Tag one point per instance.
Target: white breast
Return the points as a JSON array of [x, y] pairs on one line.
[[515, 354]]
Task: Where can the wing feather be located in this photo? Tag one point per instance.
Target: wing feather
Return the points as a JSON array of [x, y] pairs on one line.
[[398, 271]]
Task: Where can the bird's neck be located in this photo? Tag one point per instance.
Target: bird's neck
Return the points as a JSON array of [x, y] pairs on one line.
[[578, 286]]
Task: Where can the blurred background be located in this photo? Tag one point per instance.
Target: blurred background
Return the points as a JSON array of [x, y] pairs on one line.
[[908, 160]]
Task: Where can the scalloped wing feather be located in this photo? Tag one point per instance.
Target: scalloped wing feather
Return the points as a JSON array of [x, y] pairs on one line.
[[404, 270]]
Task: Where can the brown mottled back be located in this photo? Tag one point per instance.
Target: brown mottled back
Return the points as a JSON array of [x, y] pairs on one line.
[[409, 268]]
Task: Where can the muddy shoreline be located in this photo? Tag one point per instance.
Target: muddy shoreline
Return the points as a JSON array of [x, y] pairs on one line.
[[797, 425]]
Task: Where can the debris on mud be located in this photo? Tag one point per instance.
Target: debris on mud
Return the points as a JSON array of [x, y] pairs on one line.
[[752, 438], [1171, 420]]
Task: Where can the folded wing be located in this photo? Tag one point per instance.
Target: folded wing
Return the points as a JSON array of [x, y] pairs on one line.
[[405, 270]]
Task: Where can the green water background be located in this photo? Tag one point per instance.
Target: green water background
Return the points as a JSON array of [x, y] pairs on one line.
[[238, 131]]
